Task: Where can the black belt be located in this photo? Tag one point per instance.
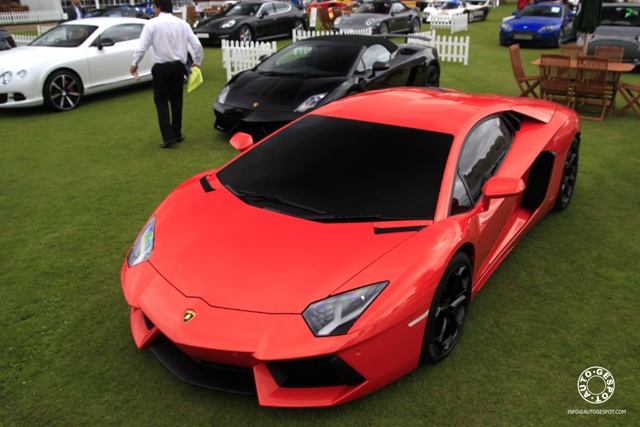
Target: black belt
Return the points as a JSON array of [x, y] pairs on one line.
[[170, 63]]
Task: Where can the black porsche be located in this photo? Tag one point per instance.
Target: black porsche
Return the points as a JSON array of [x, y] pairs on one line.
[[314, 72], [252, 20]]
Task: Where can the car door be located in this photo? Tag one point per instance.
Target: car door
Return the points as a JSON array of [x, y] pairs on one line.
[[482, 153], [283, 17], [109, 65], [400, 18], [266, 25]]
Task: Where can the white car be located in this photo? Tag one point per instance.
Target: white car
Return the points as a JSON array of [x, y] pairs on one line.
[[476, 10], [73, 59]]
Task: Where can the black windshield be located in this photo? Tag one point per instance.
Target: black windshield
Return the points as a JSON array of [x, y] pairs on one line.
[[345, 168], [312, 59]]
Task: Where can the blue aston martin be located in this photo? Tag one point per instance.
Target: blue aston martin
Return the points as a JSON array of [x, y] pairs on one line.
[[548, 24]]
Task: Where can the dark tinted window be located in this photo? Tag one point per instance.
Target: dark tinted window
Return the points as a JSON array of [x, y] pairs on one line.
[[122, 33], [345, 167], [313, 59], [282, 7], [481, 156]]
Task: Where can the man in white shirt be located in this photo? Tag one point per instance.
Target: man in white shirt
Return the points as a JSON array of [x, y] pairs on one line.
[[75, 10], [169, 36]]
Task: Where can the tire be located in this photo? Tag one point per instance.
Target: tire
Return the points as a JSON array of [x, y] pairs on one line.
[[448, 310], [432, 77], [560, 38], [245, 34], [298, 25], [384, 28], [62, 91], [469, 17], [569, 177], [415, 26]]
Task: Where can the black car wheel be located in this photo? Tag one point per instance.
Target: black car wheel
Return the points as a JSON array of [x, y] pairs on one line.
[[415, 26], [62, 91], [448, 310], [298, 25], [384, 28], [569, 177], [560, 37], [244, 34], [432, 76]]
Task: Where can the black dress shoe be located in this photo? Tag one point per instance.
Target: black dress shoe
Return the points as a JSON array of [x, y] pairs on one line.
[[167, 144], [180, 138]]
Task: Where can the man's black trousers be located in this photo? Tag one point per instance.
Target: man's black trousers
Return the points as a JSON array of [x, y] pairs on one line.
[[168, 81]]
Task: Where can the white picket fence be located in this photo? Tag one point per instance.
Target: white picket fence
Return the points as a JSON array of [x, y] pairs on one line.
[[450, 48], [456, 22], [22, 40], [301, 35], [9, 18], [240, 56]]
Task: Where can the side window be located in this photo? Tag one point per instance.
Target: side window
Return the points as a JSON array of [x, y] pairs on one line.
[[123, 33], [268, 7], [282, 7], [397, 8], [482, 154], [373, 54]]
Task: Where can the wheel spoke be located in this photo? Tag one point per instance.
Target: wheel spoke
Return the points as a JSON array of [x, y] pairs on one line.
[[458, 300], [443, 330]]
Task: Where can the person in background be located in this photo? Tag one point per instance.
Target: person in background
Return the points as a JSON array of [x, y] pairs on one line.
[[522, 3], [75, 10], [169, 36]]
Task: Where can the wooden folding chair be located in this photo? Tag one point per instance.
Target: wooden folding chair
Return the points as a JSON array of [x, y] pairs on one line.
[[325, 19], [527, 84], [592, 93], [633, 102], [614, 54], [555, 73], [573, 51]]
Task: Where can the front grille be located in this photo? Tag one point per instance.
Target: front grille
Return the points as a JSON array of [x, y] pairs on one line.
[[325, 371], [230, 379], [525, 34]]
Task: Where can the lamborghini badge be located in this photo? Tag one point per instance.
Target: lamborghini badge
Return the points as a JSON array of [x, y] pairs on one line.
[[188, 315]]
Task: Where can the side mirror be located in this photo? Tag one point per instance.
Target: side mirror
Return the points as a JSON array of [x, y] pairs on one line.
[[514, 13], [105, 42], [262, 58], [241, 141], [263, 14], [380, 66], [497, 187]]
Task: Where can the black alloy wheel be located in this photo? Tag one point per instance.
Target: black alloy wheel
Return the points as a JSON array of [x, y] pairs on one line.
[[415, 26], [432, 76], [448, 310], [569, 177], [560, 37], [384, 28], [62, 91], [298, 25]]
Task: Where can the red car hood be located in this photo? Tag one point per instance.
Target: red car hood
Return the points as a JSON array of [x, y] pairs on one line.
[[213, 246]]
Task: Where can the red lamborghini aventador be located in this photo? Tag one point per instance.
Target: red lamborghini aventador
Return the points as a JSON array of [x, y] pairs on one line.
[[328, 259]]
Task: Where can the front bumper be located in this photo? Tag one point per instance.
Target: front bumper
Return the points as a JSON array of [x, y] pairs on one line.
[[528, 37], [272, 355], [215, 37], [256, 123]]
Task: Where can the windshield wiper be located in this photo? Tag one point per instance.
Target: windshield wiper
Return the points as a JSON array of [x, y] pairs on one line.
[[244, 194]]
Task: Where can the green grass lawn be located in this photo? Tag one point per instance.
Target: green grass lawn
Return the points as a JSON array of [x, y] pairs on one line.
[[76, 188]]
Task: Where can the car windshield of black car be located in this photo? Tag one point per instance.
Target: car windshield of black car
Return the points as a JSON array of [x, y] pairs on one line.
[[352, 170], [374, 7], [545, 11], [312, 59], [65, 36], [244, 9], [623, 16]]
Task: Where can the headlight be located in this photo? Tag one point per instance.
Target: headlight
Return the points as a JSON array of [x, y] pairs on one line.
[[223, 95], [335, 315], [337, 21], [228, 24], [6, 77], [311, 102], [548, 28], [369, 22], [506, 27], [21, 74], [142, 248]]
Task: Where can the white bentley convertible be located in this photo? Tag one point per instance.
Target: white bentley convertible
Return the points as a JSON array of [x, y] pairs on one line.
[[73, 59]]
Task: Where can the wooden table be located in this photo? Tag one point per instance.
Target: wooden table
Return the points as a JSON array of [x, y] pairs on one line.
[[613, 68]]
